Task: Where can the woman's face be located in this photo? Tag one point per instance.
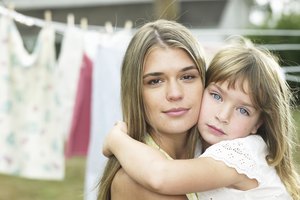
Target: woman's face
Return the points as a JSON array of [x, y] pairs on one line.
[[172, 90]]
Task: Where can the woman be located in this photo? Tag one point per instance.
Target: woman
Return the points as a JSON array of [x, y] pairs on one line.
[[162, 81]]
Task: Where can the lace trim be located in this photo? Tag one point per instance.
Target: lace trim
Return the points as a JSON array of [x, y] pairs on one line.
[[239, 154]]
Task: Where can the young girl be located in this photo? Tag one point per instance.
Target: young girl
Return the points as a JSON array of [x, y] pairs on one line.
[[246, 127]]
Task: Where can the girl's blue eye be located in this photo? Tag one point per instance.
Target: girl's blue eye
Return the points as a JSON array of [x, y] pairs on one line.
[[216, 96], [243, 111]]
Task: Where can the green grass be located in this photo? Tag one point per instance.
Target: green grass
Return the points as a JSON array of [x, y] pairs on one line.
[[71, 188], [297, 122]]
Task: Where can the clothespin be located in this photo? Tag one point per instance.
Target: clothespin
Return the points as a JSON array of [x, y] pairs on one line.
[[48, 16], [128, 25], [84, 23], [71, 20], [11, 6], [108, 27]]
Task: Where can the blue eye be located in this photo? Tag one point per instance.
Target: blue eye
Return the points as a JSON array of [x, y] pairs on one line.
[[216, 96], [243, 111]]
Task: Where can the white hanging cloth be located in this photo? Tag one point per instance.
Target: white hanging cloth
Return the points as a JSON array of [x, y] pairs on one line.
[[31, 143], [69, 64], [106, 105]]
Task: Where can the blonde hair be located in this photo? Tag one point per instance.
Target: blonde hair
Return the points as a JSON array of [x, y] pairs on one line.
[[161, 33], [270, 94]]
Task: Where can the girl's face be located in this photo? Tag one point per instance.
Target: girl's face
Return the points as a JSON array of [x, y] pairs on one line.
[[227, 113], [172, 90]]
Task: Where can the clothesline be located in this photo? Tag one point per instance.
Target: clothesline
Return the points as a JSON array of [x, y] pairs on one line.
[[31, 21], [60, 27]]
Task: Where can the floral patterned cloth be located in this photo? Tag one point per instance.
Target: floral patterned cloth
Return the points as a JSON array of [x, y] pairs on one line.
[[31, 143]]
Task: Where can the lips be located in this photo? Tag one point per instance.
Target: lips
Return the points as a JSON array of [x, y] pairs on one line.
[[216, 131], [176, 111]]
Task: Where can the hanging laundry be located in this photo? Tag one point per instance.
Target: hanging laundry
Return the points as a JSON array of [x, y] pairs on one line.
[[78, 141], [69, 64], [106, 104], [32, 144]]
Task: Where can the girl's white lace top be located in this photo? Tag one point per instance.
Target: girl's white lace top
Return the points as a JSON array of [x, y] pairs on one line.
[[247, 156]]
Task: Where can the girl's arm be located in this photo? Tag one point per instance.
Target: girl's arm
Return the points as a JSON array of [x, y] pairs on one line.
[[154, 171]]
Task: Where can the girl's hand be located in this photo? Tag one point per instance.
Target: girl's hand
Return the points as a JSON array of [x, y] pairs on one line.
[[117, 132]]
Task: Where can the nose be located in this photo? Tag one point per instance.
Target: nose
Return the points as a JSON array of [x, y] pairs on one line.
[[174, 91], [223, 115]]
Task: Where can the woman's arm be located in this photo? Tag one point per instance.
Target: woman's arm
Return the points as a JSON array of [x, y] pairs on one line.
[[151, 169]]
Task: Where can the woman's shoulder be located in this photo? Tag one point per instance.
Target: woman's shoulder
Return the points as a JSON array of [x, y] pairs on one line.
[[123, 187]]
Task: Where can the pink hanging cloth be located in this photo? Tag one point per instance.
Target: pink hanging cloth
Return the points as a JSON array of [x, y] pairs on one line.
[[77, 144]]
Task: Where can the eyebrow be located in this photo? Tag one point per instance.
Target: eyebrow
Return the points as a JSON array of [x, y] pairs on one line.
[[161, 73], [243, 103]]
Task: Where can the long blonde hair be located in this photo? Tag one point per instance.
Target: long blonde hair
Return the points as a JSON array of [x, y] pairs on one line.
[[270, 94], [160, 33]]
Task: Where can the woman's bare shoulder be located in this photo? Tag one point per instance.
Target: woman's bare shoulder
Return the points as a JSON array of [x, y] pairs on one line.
[[123, 187]]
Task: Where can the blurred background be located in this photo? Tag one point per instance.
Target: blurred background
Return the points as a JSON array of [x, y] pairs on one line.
[[57, 57]]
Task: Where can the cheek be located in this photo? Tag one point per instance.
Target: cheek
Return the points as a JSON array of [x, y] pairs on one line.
[[149, 111], [195, 95], [207, 107], [205, 115], [151, 102], [241, 128]]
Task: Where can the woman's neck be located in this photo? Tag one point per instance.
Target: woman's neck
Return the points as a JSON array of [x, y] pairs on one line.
[[175, 145]]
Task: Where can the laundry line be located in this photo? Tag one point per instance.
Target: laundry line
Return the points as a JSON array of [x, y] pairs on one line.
[[31, 21], [59, 27]]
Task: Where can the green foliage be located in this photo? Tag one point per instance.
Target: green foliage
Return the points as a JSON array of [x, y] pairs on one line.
[[287, 22], [297, 122], [288, 57]]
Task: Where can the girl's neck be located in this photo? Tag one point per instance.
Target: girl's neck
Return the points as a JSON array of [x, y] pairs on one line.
[[175, 145]]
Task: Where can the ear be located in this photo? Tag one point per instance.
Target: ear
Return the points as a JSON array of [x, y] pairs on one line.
[[258, 124]]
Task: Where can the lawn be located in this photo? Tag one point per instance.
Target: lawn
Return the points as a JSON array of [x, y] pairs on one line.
[[297, 121], [71, 188]]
